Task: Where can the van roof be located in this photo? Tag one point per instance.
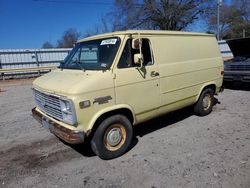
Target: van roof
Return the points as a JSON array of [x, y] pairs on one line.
[[144, 32]]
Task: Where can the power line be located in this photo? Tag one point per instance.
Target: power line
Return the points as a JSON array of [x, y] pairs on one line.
[[74, 2], [81, 2]]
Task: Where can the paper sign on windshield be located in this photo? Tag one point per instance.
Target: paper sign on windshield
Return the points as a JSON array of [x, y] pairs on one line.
[[108, 41]]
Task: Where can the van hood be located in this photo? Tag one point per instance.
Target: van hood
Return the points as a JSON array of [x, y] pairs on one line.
[[240, 47], [67, 81]]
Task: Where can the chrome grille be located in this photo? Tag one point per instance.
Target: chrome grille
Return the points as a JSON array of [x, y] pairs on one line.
[[49, 104], [242, 66], [238, 67]]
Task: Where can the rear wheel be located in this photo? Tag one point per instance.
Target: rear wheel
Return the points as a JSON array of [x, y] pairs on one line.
[[205, 103], [113, 137]]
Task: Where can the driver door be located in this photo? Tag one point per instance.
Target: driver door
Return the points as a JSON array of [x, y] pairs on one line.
[[138, 86]]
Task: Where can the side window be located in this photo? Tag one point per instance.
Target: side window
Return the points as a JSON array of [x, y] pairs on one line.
[[127, 56], [146, 51]]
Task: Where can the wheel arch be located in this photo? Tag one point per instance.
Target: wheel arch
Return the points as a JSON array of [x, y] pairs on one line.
[[103, 114], [211, 85]]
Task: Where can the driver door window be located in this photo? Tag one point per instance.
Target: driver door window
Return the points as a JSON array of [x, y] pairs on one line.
[[128, 53]]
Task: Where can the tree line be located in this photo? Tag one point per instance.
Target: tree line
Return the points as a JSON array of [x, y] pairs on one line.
[[179, 15]]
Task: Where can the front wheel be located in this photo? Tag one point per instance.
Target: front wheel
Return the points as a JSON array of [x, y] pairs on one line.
[[113, 137], [205, 103]]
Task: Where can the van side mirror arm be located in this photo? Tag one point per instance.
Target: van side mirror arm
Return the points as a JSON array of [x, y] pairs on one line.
[[140, 46]]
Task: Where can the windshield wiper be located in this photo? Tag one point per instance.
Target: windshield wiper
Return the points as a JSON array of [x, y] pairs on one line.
[[79, 65]]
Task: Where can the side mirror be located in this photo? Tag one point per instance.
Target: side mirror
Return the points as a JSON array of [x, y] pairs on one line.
[[135, 44], [138, 59]]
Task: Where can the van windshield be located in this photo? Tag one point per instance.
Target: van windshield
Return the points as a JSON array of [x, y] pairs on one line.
[[92, 55]]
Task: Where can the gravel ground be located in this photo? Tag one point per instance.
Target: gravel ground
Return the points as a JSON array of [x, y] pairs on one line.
[[176, 150]]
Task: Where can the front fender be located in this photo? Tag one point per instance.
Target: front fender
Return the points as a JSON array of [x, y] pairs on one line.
[[109, 109]]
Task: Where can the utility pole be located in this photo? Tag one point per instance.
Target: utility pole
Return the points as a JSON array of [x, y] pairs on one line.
[[244, 33], [219, 3]]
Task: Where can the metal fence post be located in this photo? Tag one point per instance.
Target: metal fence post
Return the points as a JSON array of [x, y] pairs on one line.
[[37, 62], [2, 74]]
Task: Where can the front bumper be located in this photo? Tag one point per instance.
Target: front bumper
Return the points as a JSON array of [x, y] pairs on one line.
[[242, 76], [68, 135]]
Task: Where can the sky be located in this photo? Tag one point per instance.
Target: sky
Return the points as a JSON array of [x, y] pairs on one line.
[[30, 23]]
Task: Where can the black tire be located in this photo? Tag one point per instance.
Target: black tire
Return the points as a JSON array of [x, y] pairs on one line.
[[113, 137], [205, 103]]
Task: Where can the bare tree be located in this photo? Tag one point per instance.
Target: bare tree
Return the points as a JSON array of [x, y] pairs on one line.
[[126, 14], [243, 28], [102, 27], [68, 38], [234, 20], [228, 16], [47, 45], [173, 14], [244, 7], [157, 14]]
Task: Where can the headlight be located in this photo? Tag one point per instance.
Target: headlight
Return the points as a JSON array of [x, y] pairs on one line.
[[68, 112], [66, 107]]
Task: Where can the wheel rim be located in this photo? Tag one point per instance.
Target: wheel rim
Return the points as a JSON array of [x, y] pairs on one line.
[[206, 102], [114, 137]]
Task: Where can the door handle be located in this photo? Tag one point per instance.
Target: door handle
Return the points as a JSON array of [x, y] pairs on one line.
[[154, 74]]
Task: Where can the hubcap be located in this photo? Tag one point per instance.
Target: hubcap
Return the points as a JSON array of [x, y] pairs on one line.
[[114, 137], [206, 102]]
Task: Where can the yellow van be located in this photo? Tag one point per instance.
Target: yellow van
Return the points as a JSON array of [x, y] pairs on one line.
[[111, 82]]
